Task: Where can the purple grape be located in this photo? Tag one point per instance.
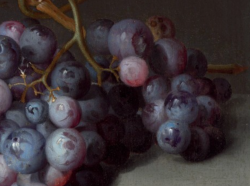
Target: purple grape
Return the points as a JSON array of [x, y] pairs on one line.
[[13, 29], [38, 44], [196, 63], [130, 37], [173, 136], [95, 147], [184, 82], [72, 78], [212, 108], [153, 115], [135, 132], [94, 105], [10, 57], [65, 149], [37, 111], [7, 175], [205, 86], [66, 56], [199, 146], [123, 100], [111, 129], [16, 113], [24, 151], [97, 36], [182, 106], [65, 112], [223, 90], [156, 87], [169, 57]]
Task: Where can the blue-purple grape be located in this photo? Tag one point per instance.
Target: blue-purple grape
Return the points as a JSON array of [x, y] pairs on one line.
[[72, 78], [65, 149], [205, 86], [38, 44], [94, 105], [182, 106], [173, 136], [37, 111], [97, 36], [156, 87], [24, 151], [65, 112], [130, 37], [10, 57], [46, 128]]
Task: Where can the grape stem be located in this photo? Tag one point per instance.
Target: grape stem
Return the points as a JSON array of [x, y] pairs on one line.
[[226, 69]]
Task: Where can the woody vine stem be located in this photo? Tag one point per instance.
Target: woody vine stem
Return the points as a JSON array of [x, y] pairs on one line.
[[46, 9]]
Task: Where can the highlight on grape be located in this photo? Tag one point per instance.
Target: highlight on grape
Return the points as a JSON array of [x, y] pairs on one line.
[[63, 120]]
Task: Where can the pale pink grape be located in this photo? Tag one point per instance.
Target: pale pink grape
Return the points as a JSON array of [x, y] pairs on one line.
[[133, 71]]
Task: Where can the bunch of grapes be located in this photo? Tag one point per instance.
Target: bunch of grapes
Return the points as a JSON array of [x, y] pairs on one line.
[[73, 120]]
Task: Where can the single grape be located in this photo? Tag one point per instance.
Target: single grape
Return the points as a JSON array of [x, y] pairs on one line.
[[153, 115], [94, 105], [196, 63], [13, 29], [173, 136], [223, 90], [169, 57], [130, 37], [156, 87], [38, 44], [213, 110], [95, 147], [37, 111], [199, 146], [133, 71], [182, 106], [72, 78], [111, 129], [205, 86], [97, 36], [65, 149], [161, 27], [184, 82], [10, 57], [16, 113], [24, 152], [65, 112]]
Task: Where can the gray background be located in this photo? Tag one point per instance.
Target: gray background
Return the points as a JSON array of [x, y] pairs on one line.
[[221, 29]]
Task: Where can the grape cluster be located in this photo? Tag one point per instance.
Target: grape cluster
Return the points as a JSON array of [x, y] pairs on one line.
[[66, 134]]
